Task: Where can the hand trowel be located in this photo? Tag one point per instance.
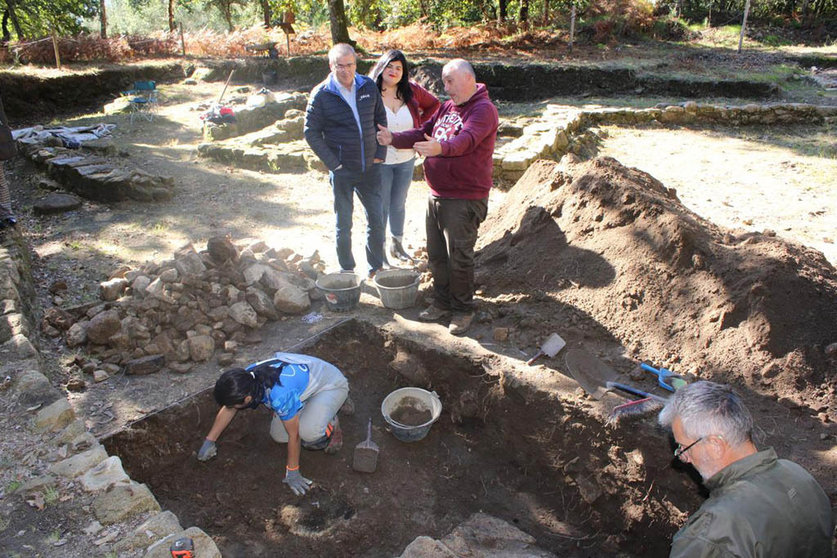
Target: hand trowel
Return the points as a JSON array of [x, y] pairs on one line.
[[365, 458], [550, 348]]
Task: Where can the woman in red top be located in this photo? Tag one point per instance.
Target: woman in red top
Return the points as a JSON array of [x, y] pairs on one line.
[[408, 105]]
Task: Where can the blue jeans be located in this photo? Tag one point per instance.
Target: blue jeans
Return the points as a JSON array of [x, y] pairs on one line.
[[344, 184], [395, 183]]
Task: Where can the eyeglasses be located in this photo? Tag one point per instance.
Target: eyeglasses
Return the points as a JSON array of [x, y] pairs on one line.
[[680, 450], [345, 66]]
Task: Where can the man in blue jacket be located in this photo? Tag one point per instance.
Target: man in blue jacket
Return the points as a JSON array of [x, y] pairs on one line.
[[340, 126]]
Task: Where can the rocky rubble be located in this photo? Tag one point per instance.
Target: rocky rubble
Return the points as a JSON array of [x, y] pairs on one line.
[[188, 309]]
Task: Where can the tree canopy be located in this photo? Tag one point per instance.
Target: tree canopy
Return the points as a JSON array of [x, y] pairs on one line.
[[34, 18]]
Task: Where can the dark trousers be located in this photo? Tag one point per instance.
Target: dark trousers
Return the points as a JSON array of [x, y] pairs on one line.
[[452, 227], [367, 184]]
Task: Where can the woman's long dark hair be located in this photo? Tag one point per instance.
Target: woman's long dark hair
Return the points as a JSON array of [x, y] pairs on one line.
[[234, 385], [402, 88]]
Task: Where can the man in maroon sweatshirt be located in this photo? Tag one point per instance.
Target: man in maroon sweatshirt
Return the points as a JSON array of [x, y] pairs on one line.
[[458, 143]]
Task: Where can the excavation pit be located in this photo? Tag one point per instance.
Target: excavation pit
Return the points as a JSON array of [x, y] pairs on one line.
[[504, 446]]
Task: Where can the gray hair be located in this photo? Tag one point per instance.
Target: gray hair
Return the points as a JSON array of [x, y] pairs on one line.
[[709, 409], [340, 50], [460, 65]]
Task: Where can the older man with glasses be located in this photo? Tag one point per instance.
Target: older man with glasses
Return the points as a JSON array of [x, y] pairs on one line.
[[759, 505], [340, 126]]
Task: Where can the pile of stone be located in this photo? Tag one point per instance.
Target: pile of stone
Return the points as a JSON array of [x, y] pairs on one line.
[[185, 310]]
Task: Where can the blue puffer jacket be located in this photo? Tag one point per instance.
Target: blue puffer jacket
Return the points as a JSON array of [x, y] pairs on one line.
[[331, 128]]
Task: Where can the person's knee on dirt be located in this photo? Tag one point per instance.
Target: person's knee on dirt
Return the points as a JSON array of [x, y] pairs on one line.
[[304, 394]]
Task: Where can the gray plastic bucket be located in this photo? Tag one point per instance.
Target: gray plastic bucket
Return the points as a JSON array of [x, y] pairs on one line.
[[340, 290], [398, 288], [418, 399]]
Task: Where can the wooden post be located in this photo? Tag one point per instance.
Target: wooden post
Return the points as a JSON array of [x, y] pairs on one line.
[[55, 48], [572, 27], [743, 26], [182, 40]]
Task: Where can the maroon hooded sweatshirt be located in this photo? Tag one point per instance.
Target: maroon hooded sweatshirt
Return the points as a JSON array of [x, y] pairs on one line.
[[467, 134]]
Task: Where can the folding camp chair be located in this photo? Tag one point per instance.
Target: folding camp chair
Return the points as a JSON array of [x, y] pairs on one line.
[[143, 99]]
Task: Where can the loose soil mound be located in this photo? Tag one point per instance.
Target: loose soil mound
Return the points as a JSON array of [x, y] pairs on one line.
[[670, 286]]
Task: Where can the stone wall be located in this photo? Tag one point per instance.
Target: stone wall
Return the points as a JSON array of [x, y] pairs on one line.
[[52, 461], [552, 135]]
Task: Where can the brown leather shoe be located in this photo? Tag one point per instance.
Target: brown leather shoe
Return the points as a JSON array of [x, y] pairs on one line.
[[460, 323], [433, 314]]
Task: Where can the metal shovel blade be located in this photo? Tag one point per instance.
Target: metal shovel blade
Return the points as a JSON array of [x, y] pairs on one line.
[[366, 454], [550, 347], [591, 373]]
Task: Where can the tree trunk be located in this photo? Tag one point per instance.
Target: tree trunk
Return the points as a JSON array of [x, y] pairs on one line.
[[424, 8], [743, 25], [10, 4], [545, 12], [7, 35], [267, 14], [172, 25], [572, 27], [227, 9], [339, 23], [103, 20], [502, 12], [523, 14]]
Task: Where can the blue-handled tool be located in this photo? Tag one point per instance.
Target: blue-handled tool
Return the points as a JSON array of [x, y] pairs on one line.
[[634, 391], [665, 378]]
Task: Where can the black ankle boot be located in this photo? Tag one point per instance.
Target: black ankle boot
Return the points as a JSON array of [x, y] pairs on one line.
[[397, 251]]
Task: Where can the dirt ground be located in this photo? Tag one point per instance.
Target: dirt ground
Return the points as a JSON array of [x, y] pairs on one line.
[[583, 289], [507, 452]]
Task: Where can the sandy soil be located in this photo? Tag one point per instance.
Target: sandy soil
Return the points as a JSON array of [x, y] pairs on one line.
[[748, 178]]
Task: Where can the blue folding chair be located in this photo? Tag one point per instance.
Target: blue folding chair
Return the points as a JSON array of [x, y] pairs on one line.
[[143, 99]]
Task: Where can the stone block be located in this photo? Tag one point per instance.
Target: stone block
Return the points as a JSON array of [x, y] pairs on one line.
[[145, 365], [425, 547], [123, 501], [37, 484], [55, 416], [56, 202], [33, 388], [290, 299], [483, 535], [112, 289], [154, 529], [17, 348], [103, 326], [71, 432], [107, 473], [201, 347], [77, 334], [79, 463], [244, 314]]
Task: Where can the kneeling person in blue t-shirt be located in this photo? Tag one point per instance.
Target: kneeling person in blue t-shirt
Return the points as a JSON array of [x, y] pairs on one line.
[[304, 394]]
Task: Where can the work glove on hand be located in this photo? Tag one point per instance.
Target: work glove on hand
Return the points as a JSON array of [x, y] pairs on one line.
[[297, 482], [207, 451]]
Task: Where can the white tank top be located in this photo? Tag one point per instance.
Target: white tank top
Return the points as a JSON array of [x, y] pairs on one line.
[[399, 122]]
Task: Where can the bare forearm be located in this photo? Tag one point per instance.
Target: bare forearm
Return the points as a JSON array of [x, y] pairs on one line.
[[222, 420]]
